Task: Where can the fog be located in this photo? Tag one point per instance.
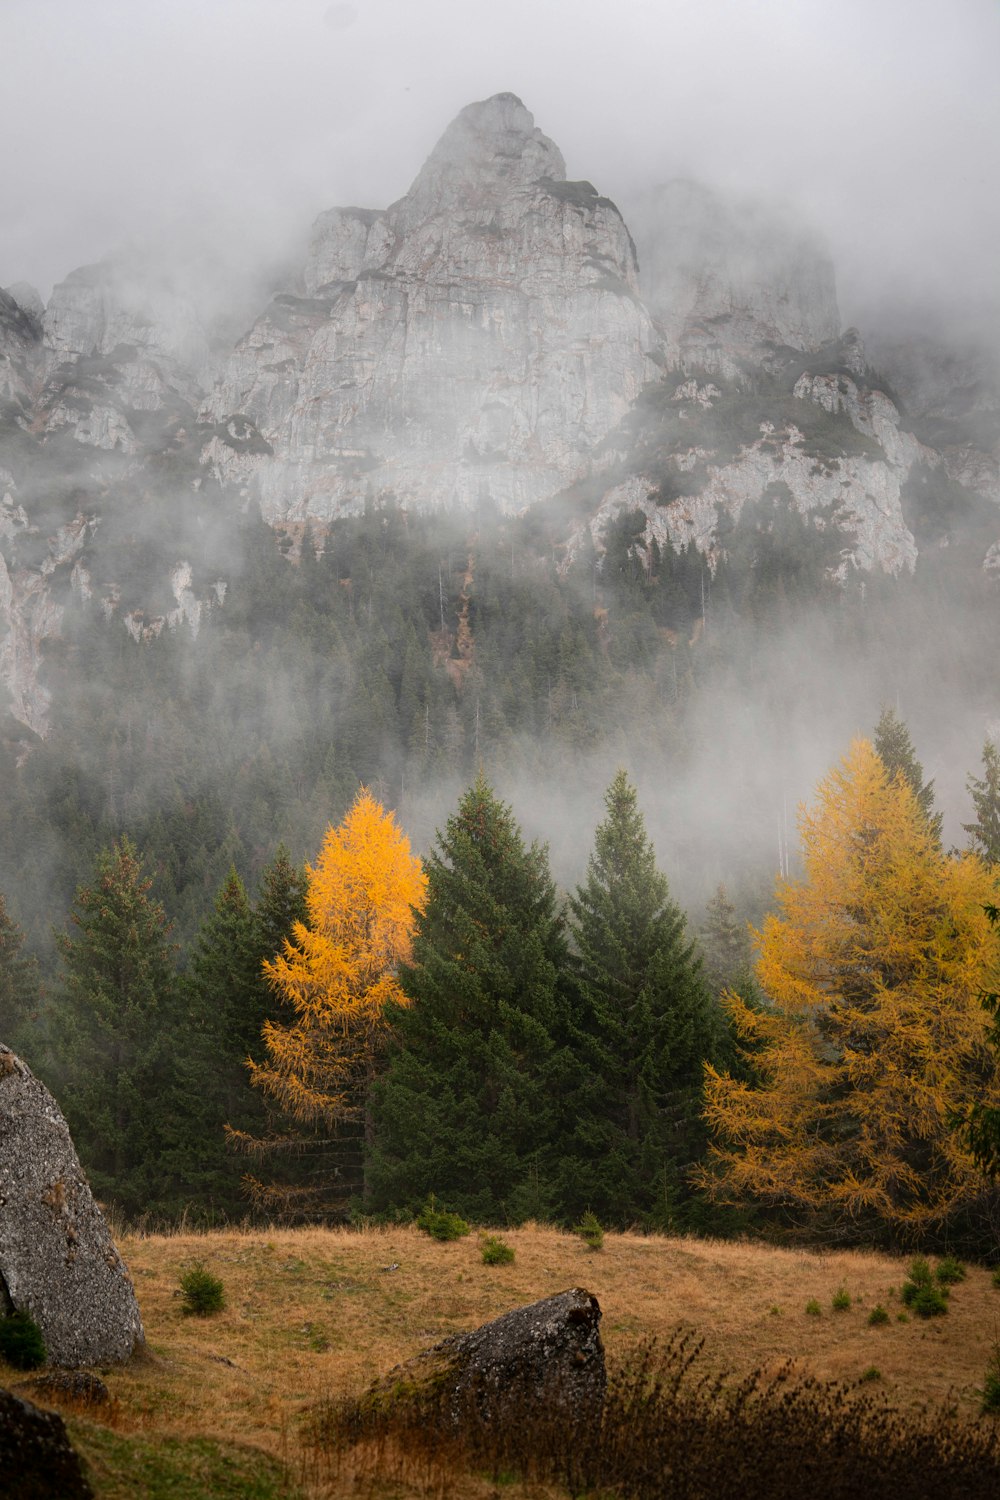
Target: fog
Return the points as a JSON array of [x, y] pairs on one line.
[[244, 118], [214, 136]]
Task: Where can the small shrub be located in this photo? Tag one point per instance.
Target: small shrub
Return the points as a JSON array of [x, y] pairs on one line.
[[496, 1251], [949, 1271], [990, 1394], [589, 1229], [877, 1315], [841, 1300], [202, 1293], [920, 1293], [440, 1224], [813, 1308], [930, 1302], [902, 1317], [872, 1373], [21, 1342], [775, 1310]]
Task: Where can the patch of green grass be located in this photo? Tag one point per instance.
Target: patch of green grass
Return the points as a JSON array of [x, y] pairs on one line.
[[121, 1467], [841, 1299], [877, 1315], [872, 1373], [813, 1308]]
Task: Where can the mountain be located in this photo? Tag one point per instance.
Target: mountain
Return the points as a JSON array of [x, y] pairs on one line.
[[498, 337]]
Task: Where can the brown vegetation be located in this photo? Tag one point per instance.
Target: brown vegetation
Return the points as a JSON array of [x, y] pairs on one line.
[[313, 1315]]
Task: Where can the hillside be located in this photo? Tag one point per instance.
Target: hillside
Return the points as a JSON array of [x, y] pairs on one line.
[[314, 1314]]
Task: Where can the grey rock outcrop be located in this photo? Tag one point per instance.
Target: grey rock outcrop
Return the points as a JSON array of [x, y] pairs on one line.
[[547, 1356], [724, 278], [37, 1461], [477, 339], [58, 1261]]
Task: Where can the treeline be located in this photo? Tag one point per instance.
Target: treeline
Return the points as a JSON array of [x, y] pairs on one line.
[[380, 1031], [403, 651]]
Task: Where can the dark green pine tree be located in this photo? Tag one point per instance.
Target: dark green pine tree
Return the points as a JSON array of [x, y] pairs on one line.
[[112, 1032], [223, 1005], [469, 1108], [984, 833], [895, 750], [281, 902], [725, 943], [643, 1026], [20, 994]]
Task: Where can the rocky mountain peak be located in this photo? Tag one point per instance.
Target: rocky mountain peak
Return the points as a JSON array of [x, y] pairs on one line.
[[492, 146], [739, 273]]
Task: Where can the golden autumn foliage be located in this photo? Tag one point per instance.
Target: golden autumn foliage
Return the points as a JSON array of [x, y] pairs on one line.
[[870, 1045], [338, 970]]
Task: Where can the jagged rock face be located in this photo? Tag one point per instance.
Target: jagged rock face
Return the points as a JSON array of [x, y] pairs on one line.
[[20, 340], [724, 279], [119, 340], [827, 436], [58, 1261], [951, 389], [477, 339]]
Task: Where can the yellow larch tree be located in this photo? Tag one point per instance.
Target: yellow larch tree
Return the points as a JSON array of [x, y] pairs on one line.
[[870, 1045], [337, 973]]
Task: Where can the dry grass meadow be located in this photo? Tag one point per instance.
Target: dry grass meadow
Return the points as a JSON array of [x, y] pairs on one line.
[[317, 1313]]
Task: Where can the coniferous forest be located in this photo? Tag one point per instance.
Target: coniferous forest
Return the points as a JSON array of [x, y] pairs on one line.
[[547, 1033]]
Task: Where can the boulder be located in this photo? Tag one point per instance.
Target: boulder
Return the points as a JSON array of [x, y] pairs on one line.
[[543, 1358], [36, 1459], [66, 1388], [58, 1261]]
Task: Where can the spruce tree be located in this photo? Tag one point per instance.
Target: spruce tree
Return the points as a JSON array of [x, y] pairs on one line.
[[113, 1016], [224, 1002], [894, 749], [469, 1107], [642, 1029], [19, 983], [726, 943], [984, 833], [281, 902]]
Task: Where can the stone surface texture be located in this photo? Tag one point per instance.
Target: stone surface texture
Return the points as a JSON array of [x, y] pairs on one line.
[[37, 1461], [491, 337], [58, 1261], [477, 339], [723, 278], [548, 1353]]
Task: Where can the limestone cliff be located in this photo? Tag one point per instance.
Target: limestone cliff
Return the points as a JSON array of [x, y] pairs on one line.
[[493, 336], [478, 338]]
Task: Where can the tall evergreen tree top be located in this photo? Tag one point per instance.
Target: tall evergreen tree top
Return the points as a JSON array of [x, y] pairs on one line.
[[120, 956], [894, 749], [985, 792], [486, 890], [19, 987], [622, 914], [281, 902]]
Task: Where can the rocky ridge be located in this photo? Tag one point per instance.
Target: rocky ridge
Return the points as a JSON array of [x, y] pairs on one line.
[[492, 337]]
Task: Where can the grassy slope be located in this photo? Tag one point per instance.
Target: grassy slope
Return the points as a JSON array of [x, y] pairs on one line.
[[316, 1313]]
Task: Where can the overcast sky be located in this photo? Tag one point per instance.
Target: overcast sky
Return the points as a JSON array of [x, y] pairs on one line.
[[881, 117]]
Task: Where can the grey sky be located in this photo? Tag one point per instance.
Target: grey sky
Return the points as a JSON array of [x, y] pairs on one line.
[[881, 117]]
